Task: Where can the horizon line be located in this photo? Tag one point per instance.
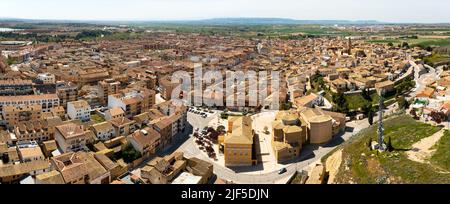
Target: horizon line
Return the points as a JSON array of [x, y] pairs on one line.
[[130, 20]]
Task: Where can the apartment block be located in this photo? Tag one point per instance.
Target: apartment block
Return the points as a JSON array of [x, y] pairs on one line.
[[67, 92], [71, 137], [16, 87], [133, 102], [13, 115], [46, 101], [79, 110], [108, 87], [47, 78]]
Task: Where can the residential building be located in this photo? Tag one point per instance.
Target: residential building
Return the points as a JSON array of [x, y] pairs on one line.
[[133, 102], [79, 110], [114, 169], [47, 78], [92, 75], [164, 127], [386, 86], [48, 147], [16, 87], [39, 131], [162, 171], [13, 173], [46, 101], [14, 114], [52, 177], [80, 168], [198, 167], [177, 169], [67, 92], [145, 141], [29, 154], [58, 111], [310, 101], [123, 126], [104, 131], [114, 113], [108, 87], [169, 120], [167, 88], [71, 137]]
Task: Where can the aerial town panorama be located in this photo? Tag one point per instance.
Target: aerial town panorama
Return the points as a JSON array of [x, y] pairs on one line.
[[224, 101]]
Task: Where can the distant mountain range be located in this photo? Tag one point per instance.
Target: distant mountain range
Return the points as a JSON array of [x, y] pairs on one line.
[[213, 21], [277, 21]]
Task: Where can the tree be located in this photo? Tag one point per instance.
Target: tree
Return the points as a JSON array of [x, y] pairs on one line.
[[10, 61], [390, 148], [437, 117], [129, 154], [390, 44], [402, 103], [366, 94], [405, 45], [221, 129], [213, 134], [341, 104], [266, 130], [366, 108], [317, 80], [414, 114], [370, 117]]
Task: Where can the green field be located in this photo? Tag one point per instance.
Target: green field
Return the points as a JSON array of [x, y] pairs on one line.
[[441, 157], [357, 101], [97, 118], [437, 59], [423, 42], [360, 165]]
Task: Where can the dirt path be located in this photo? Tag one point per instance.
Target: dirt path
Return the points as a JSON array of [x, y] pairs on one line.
[[422, 150], [332, 165]]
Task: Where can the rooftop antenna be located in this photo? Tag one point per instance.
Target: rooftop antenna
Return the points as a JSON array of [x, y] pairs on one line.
[[381, 146]]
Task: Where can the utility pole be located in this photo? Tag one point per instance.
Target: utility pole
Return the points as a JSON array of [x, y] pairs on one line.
[[381, 146]]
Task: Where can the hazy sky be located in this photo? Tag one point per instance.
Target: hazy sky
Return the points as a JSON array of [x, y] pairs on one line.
[[421, 11]]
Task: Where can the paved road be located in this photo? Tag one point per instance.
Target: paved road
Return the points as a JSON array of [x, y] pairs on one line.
[[310, 154]]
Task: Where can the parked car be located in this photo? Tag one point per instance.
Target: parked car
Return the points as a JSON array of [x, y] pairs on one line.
[[282, 171]]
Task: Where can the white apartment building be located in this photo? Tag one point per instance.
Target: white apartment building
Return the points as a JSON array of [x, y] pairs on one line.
[[79, 110], [47, 78], [47, 101], [104, 131]]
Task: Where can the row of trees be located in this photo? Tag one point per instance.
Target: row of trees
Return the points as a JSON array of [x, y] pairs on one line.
[[91, 34], [341, 103], [404, 86], [317, 80], [438, 117], [129, 154]]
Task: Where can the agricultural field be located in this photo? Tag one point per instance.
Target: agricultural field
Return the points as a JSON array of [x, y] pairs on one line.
[[423, 41]]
